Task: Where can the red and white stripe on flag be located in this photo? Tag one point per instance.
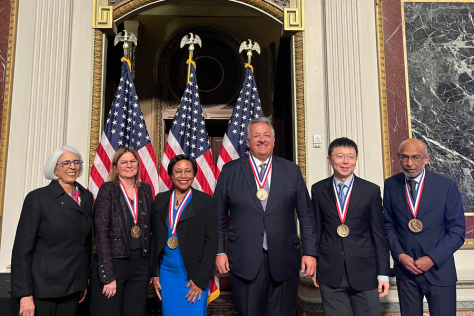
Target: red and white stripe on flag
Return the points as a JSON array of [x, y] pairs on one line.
[[125, 126], [188, 135]]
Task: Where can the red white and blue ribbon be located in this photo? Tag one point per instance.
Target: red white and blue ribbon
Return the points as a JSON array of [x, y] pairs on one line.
[[261, 180], [342, 206], [175, 219], [413, 205], [133, 208]]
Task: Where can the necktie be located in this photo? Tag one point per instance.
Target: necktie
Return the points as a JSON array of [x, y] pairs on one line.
[[264, 202], [341, 193], [412, 184], [266, 187]]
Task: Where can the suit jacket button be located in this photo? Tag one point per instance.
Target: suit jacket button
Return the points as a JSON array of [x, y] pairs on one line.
[[144, 250], [144, 226]]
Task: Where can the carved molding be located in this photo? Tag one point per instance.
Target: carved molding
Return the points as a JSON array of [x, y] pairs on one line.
[[102, 15], [96, 95], [387, 170], [294, 18], [300, 106], [7, 101], [122, 9]]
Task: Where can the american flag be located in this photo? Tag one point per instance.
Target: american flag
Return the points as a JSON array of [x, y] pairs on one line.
[[124, 127], [246, 108], [188, 135]]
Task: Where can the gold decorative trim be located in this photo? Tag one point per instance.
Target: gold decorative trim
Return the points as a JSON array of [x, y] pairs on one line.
[[294, 18], [387, 161], [102, 15], [96, 95], [121, 10], [469, 242], [300, 110], [7, 102]]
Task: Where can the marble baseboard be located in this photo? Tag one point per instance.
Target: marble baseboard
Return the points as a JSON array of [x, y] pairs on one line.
[[387, 309]]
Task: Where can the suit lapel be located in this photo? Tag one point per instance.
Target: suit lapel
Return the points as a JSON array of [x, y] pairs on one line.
[[120, 200], [251, 182], [329, 192], [356, 195], [188, 211], [277, 177], [429, 183], [67, 201], [402, 196], [163, 207]]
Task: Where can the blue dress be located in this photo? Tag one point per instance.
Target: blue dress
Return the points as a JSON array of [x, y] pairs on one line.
[[173, 279]]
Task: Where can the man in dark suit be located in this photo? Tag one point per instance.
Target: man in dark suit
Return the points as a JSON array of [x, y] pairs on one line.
[[353, 256], [425, 225], [261, 193]]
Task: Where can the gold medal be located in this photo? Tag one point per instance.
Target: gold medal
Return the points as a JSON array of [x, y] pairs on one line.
[[415, 225], [262, 194], [136, 231], [343, 230], [173, 242]]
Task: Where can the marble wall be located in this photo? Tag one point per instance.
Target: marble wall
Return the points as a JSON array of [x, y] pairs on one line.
[[5, 6], [440, 59]]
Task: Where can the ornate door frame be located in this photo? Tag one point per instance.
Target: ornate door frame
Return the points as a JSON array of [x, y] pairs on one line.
[[108, 13]]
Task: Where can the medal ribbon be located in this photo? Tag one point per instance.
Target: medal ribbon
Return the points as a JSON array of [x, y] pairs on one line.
[[342, 206], [133, 208], [261, 181], [174, 221], [413, 205]]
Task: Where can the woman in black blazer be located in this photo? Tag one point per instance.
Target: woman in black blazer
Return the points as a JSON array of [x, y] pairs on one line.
[[183, 249], [51, 253], [122, 220]]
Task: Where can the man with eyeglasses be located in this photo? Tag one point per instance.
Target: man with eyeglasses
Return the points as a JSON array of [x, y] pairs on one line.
[[425, 225], [353, 257]]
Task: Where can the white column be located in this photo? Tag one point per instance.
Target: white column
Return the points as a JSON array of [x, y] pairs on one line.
[[50, 98], [343, 45]]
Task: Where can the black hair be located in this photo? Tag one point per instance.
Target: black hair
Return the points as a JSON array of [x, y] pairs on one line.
[[177, 158], [342, 142]]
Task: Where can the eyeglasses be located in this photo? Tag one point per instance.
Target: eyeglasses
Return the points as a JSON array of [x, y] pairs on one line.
[[125, 163], [415, 158], [342, 157], [68, 163], [187, 172]]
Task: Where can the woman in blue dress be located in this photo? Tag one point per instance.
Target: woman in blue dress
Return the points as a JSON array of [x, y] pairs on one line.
[[184, 242]]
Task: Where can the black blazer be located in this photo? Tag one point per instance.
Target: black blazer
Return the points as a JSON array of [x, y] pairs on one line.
[[196, 232], [52, 250], [444, 226], [235, 192], [111, 227], [365, 251]]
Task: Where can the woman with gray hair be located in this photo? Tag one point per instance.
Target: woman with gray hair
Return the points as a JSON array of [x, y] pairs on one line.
[[52, 250]]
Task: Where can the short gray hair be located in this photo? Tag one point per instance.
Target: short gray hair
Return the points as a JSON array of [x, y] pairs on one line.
[[263, 119], [52, 161]]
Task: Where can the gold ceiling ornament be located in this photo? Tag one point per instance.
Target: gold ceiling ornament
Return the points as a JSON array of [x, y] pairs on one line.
[[102, 16], [294, 17]]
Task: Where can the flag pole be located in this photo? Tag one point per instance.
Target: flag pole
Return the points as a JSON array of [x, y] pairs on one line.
[[127, 47], [249, 47], [190, 40]]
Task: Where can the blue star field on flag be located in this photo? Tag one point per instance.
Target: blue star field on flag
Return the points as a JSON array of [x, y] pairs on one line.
[[188, 125], [125, 125]]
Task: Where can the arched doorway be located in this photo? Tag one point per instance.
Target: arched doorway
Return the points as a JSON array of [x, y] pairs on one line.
[[170, 17]]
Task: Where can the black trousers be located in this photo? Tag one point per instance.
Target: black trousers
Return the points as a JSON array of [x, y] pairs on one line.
[[132, 287], [339, 301], [263, 295], [58, 306], [441, 299]]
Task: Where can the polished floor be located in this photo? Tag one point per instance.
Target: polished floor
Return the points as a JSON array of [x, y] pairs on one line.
[[221, 306]]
